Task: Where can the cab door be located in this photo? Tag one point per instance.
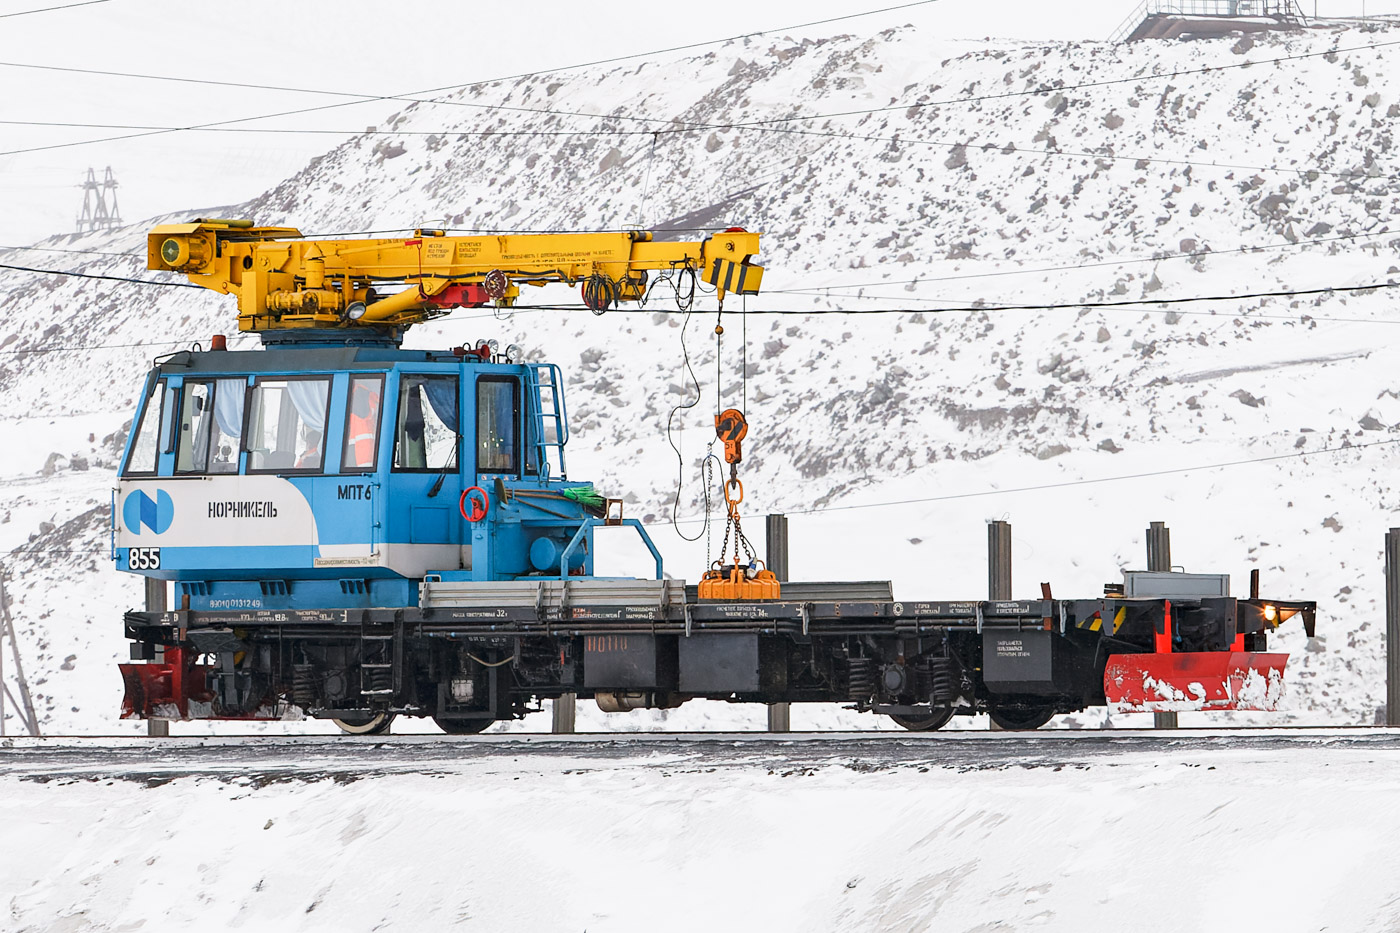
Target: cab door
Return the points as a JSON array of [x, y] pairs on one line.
[[498, 454], [424, 531]]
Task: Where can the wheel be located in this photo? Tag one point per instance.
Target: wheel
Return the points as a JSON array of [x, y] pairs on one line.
[[463, 726], [1021, 718], [936, 719], [365, 723]]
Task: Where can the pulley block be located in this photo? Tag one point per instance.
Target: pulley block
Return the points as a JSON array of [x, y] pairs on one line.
[[731, 427]]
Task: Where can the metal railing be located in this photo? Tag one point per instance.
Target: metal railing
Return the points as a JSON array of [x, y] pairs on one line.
[[1287, 10]]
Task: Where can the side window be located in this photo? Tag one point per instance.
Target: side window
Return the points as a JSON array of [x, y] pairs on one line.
[[146, 447], [196, 423], [227, 432], [286, 425], [531, 450], [497, 424], [362, 423], [429, 423]]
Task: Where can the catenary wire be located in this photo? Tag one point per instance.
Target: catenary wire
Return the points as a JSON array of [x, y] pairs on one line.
[[670, 125], [458, 87], [1048, 89], [413, 97], [1034, 270], [762, 126], [967, 145], [50, 9], [1086, 305], [1039, 487], [983, 307], [79, 252], [818, 312], [106, 278], [1091, 481], [1095, 480], [826, 289]]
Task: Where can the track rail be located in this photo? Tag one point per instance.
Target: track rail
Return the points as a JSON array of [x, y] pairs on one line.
[[313, 758]]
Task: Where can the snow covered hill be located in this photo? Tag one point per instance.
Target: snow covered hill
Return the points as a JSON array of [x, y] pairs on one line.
[[893, 172]]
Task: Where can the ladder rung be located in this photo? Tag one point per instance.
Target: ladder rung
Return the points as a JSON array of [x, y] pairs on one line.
[[364, 664]]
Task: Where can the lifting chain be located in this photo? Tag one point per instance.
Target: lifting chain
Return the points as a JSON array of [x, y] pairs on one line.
[[734, 524]]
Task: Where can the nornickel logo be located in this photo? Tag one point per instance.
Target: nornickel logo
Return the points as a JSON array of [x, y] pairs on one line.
[[156, 514]]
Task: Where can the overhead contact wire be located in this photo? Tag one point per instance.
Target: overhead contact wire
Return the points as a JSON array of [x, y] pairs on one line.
[[51, 9], [471, 84], [1091, 481]]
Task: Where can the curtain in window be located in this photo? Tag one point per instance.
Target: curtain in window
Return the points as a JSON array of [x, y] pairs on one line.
[[309, 397], [442, 395], [228, 406]]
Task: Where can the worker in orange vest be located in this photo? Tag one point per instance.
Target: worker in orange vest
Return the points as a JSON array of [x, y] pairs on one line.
[[363, 420]]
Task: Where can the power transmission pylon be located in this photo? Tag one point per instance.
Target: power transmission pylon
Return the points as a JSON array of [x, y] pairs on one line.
[[100, 210], [24, 704]]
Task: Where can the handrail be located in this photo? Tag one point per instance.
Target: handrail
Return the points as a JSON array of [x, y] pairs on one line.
[[1285, 10], [585, 532]]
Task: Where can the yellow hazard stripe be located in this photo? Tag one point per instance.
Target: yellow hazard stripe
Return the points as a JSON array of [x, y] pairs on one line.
[[737, 278], [1118, 619]]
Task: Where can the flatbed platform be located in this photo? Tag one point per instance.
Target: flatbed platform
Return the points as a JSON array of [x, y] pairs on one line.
[[474, 652]]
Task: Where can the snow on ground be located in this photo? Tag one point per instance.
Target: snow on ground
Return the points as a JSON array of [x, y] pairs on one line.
[[1026, 194], [1174, 837]]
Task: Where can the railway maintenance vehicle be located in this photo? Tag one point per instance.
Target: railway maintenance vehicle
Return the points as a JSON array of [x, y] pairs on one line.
[[356, 531]]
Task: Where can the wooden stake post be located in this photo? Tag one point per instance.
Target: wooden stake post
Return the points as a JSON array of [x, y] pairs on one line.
[[779, 714]]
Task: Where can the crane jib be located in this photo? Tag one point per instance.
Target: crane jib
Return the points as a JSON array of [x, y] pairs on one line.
[[287, 282]]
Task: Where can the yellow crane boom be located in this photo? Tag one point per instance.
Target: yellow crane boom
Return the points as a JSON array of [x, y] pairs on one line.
[[286, 281]]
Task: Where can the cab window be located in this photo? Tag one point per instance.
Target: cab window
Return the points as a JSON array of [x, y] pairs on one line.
[[428, 422], [362, 423], [286, 425], [497, 425], [196, 423], [146, 447], [211, 426], [226, 432]]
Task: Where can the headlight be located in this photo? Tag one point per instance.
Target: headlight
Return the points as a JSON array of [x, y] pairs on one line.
[[174, 252]]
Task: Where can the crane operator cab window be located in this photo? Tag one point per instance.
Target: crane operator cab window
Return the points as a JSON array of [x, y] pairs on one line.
[[287, 424], [362, 424], [497, 425], [429, 423], [211, 426]]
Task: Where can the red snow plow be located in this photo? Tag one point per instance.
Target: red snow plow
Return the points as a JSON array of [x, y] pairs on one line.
[[166, 689], [1173, 677]]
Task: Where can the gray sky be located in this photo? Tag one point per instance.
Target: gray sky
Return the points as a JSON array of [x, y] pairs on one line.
[[361, 46]]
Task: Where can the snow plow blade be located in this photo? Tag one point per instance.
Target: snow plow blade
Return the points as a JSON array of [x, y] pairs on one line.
[[165, 690], [1190, 681]]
